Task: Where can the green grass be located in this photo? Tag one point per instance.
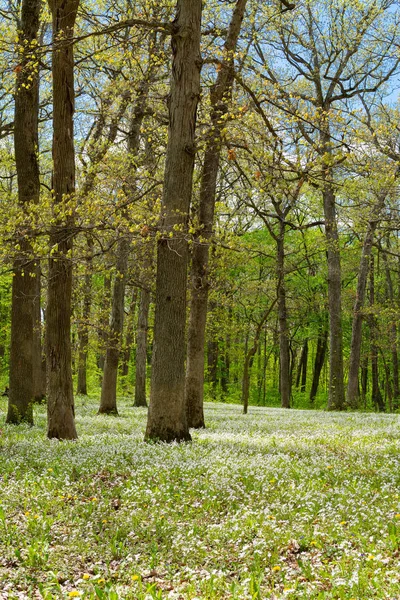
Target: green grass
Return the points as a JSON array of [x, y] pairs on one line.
[[278, 504]]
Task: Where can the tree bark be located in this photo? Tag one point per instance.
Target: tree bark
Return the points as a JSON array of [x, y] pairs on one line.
[[356, 333], [61, 421], [141, 348], [167, 412], [336, 397], [108, 400], [219, 98], [24, 285]]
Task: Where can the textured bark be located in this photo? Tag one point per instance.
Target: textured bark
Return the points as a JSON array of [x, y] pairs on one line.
[[336, 397], [108, 401], [356, 333], [141, 348], [61, 421], [167, 412], [219, 98], [322, 344], [24, 286], [284, 349]]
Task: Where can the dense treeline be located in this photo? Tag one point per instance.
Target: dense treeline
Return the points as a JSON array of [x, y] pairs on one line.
[[199, 201]]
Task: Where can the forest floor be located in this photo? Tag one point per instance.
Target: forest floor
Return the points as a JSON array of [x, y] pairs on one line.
[[275, 504]]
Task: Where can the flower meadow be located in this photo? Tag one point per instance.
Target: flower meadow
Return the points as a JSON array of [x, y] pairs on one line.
[[276, 504]]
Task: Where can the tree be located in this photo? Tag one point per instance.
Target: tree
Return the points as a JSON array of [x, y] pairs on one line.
[[219, 100], [167, 412], [25, 273], [61, 421]]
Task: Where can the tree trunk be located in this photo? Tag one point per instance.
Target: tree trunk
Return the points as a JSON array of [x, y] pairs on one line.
[[336, 398], [356, 334], [61, 421], [141, 348], [167, 412], [24, 285], [39, 363], [219, 98], [322, 344], [284, 349], [108, 400], [377, 398]]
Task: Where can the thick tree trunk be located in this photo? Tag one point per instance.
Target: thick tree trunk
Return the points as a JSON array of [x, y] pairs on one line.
[[141, 348], [108, 401], [336, 397], [356, 334], [61, 422], [322, 344], [219, 98], [167, 412], [284, 349], [24, 285]]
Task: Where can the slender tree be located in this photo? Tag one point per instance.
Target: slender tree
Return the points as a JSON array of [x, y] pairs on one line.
[[219, 99]]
